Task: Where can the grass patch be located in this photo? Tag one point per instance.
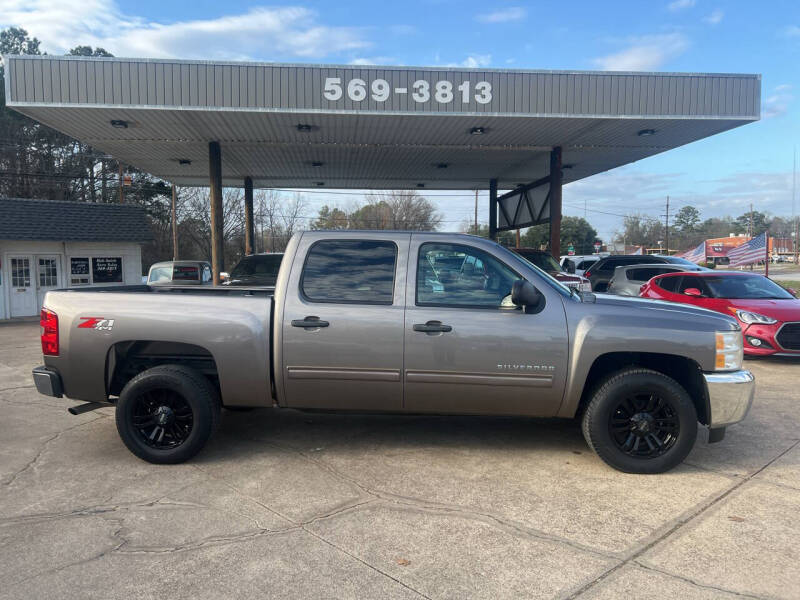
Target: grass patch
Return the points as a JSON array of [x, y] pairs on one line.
[[794, 284]]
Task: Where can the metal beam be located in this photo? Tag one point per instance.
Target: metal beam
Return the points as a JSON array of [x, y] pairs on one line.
[[249, 231], [555, 202], [174, 222], [493, 209], [217, 225]]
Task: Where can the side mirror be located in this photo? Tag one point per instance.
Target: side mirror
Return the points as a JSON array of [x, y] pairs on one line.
[[224, 276], [792, 291], [693, 292], [525, 294]]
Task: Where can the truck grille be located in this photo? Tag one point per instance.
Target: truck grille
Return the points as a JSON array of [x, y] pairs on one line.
[[789, 336]]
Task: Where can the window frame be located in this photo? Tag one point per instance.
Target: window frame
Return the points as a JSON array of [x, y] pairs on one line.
[[301, 283], [467, 306]]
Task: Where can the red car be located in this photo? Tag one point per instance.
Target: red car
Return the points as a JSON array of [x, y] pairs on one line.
[[769, 315]]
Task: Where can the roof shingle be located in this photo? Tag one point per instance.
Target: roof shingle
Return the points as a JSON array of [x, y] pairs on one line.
[[23, 219]]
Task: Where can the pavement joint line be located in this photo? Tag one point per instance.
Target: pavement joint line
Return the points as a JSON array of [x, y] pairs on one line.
[[633, 557], [365, 563], [695, 583], [19, 387], [488, 518]]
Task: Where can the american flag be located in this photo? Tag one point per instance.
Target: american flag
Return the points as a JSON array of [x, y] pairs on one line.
[[749, 252], [697, 255]]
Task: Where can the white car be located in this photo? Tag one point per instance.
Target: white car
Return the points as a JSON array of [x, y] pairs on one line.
[[578, 265]]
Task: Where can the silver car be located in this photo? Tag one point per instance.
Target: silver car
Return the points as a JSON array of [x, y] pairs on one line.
[[627, 279]]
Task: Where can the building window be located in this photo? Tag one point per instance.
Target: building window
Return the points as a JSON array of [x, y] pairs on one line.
[[107, 269], [48, 272], [79, 271], [20, 272]]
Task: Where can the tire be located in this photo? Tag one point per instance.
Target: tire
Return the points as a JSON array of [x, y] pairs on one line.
[[638, 403], [165, 415]]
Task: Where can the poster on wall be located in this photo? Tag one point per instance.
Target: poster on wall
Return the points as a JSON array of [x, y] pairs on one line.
[[107, 269], [79, 271]]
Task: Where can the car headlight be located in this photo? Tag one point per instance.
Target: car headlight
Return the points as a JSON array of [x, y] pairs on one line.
[[730, 351], [745, 316]]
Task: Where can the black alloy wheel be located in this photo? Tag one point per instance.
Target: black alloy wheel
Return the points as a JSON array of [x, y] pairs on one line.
[[644, 425], [167, 414], [163, 418], [640, 421]]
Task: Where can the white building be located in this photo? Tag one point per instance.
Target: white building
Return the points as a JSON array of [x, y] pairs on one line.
[[46, 245]]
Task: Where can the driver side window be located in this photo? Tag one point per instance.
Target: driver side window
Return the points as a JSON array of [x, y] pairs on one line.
[[456, 275]]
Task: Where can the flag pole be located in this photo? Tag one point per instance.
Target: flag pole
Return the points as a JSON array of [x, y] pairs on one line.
[[766, 251]]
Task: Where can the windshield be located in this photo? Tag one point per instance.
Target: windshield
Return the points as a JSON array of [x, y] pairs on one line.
[[264, 265], [552, 282], [745, 287], [541, 259]]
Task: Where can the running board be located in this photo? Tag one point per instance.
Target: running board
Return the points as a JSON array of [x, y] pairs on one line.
[[87, 407]]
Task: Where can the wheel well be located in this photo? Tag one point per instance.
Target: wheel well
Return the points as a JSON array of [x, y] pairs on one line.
[[680, 368], [128, 359]]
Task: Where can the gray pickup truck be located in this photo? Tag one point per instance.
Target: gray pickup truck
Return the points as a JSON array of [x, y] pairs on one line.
[[398, 322]]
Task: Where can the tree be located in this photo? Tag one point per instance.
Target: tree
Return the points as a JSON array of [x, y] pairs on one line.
[[687, 219], [639, 230], [88, 51], [758, 219], [575, 232], [504, 238], [402, 210]]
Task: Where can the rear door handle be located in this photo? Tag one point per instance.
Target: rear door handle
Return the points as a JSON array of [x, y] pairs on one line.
[[433, 327], [309, 323]]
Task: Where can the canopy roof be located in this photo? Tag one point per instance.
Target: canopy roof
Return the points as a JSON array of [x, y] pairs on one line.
[[378, 127]]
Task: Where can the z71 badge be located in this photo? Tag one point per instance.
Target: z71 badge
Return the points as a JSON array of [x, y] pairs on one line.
[[97, 323]]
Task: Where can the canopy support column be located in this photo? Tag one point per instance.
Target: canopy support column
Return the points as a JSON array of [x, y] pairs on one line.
[[249, 231], [217, 225], [555, 202], [492, 209]]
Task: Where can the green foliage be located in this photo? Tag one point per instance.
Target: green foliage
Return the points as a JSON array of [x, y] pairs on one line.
[[89, 51], [398, 210], [575, 231], [687, 219], [758, 219]]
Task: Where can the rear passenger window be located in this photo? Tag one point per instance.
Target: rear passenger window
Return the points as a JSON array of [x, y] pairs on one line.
[[669, 283], [350, 272], [646, 273]]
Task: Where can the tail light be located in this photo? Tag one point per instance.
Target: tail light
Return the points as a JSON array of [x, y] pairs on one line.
[[587, 274], [48, 320]]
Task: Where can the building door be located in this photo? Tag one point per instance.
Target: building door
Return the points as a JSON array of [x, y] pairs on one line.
[[47, 276], [22, 291]]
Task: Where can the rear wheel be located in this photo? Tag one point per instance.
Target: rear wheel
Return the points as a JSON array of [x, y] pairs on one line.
[[640, 421], [167, 414]]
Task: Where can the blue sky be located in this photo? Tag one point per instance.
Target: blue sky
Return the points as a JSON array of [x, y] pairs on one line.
[[721, 175]]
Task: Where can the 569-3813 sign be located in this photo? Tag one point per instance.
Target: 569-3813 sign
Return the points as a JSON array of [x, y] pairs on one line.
[[421, 91]]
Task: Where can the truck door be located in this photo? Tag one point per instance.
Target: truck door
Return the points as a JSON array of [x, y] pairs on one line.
[[467, 348], [343, 323]]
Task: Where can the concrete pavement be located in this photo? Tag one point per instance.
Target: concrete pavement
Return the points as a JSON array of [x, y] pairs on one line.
[[290, 505]]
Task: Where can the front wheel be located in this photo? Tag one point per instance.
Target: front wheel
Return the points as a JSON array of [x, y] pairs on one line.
[[640, 421], [167, 414]]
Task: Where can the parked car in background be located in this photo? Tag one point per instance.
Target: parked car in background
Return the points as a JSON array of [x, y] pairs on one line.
[[256, 270], [578, 265], [601, 272], [180, 272], [545, 261], [768, 314], [628, 279]]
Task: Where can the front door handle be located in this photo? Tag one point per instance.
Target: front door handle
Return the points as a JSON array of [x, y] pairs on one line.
[[309, 323], [433, 327]]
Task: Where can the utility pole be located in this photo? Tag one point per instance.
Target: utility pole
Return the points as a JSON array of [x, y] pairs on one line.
[[750, 223], [174, 222], [795, 220], [475, 231], [666, 228]]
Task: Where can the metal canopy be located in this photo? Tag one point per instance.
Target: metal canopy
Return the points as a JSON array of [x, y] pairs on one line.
[[474, 125]]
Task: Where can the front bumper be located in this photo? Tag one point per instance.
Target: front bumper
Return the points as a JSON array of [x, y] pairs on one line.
[[729, 396], [48, 382]]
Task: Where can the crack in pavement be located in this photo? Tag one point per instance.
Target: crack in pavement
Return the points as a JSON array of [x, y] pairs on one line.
[[32, 463], [634, 556], [695, 583]]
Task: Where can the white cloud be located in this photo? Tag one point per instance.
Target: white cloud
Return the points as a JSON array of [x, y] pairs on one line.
[[715, 17], [645, 53], [473, 61], [777, 103], [677, 5], [505, 15], [792, 31], [373, 60], [258, 33]]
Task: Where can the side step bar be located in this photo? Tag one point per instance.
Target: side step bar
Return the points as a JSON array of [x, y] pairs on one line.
[[87, 407]]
